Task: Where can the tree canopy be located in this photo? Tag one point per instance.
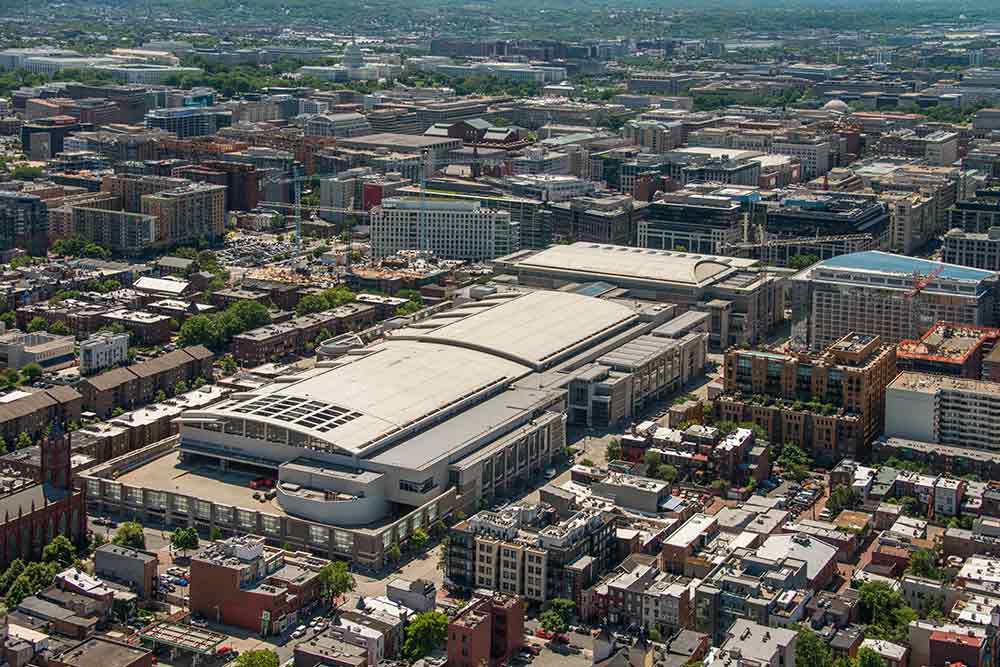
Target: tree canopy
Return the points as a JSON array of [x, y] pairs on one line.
[[257, 658], [130, 534], [184, 539], [426, 632], [336, 579]]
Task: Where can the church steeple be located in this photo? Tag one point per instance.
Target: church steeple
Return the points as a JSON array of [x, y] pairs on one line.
[[56, 465]]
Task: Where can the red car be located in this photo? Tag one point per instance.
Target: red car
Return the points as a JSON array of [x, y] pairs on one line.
[[544, 634], [562, 639], [533, 649]]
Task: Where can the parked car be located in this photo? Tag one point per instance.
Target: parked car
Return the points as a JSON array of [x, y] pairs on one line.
[[544, 634], [298, 634], [550, 473], [181, 581], [199, 622]]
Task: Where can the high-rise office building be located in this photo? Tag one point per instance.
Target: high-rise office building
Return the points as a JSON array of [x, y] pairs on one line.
[[448, 229], [891, 296], [24, 222], [943, 409], [189, 121], [189, 213]]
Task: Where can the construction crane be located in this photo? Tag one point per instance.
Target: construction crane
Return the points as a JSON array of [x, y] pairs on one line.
[[296, 182], [430, 161], [920, 281]]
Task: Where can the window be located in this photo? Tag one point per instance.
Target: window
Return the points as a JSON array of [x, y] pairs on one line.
[[247, 518], [343, 541], [271, 524], [94, 488], [417, 487], [318, 534], [203, 509]]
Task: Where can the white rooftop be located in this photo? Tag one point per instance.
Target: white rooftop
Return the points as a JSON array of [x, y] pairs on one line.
[[535, 329], [161, 285], [367, 397], [640, 263]]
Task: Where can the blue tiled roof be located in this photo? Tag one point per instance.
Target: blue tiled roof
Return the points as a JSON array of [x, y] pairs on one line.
[[873, 260]]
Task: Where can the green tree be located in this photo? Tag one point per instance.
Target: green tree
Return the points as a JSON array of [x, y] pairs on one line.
[[180, 387], [811, 650], [198, 330], [13, 571], [184, 539], [228, 365], [407, 309], [552, 621], [10, 378], [843, 498], [215, 534], [719, 485], [24, 172], [667, 473], [9, 318], [799, 262], [655, 636], [425, 633], [562, 606], [652, 459], [336, 580], [923, 563], [613, 452], [3, 445], [160, 396], [884, 612], [444, 553], [311, 303], [419, 538], [257, 658], [23, 440], [869, 658], [130, 534], [792, 455], [20, 589], [118, 411], [394, 554], [60, 550], [37, 324], [59, 328], [32, 371]]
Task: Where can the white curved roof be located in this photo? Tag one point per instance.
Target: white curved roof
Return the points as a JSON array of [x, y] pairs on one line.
[[612, 261], [536, 328], [355, 404]]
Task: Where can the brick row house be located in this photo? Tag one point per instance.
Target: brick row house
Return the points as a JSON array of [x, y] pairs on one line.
[[139, 383]]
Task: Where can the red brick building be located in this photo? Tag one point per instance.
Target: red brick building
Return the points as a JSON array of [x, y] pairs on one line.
[[34, 513], [139, 383], [951, 647], [243, 182], [489, 631], [244, 583], [274, 341]]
